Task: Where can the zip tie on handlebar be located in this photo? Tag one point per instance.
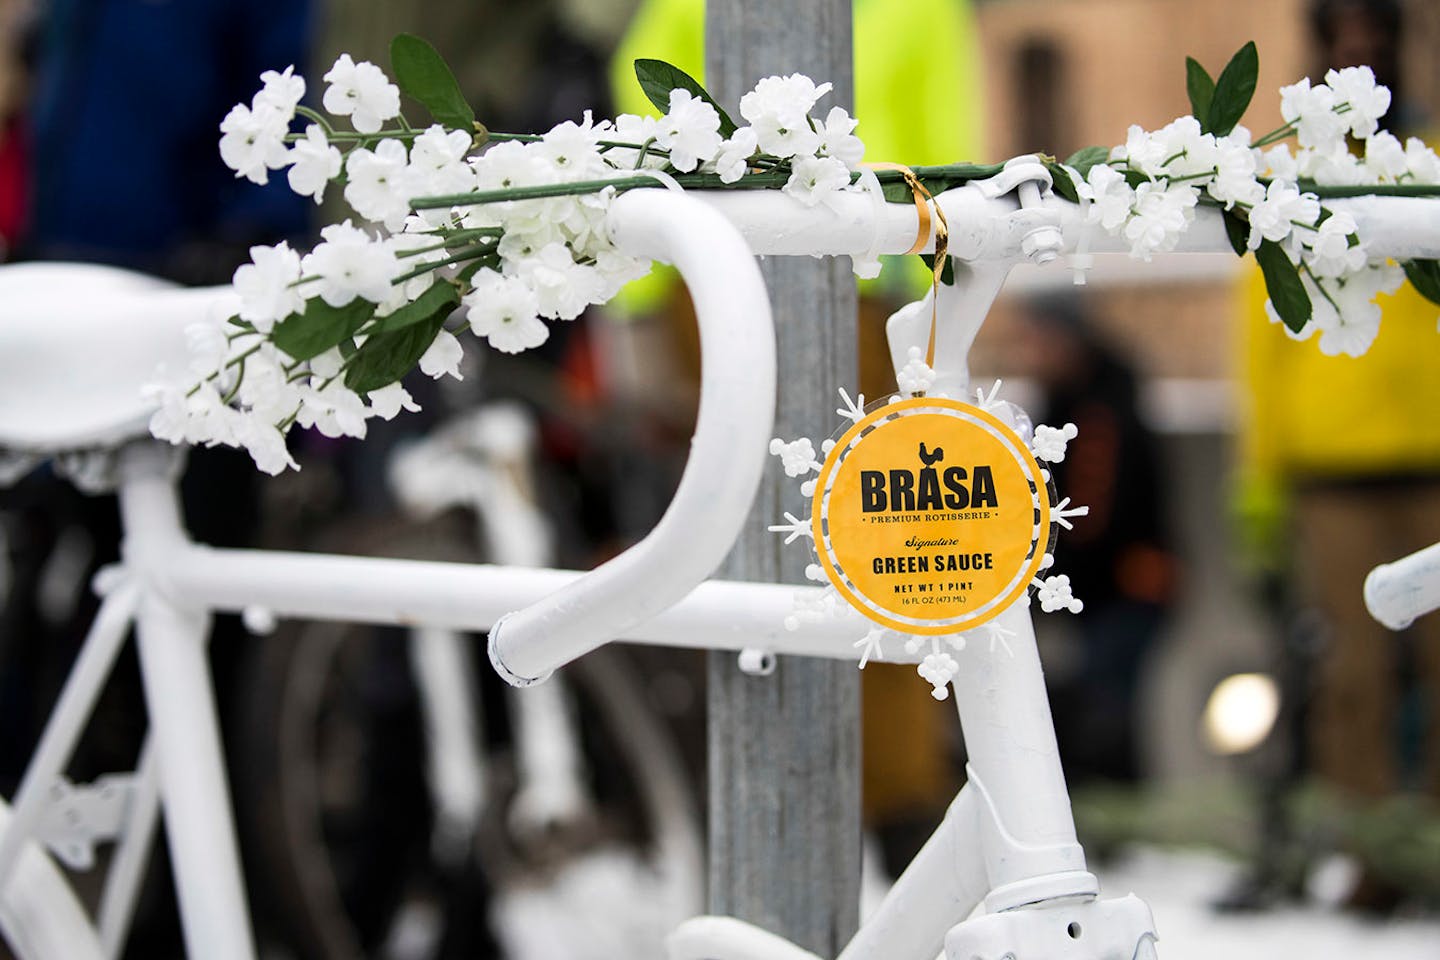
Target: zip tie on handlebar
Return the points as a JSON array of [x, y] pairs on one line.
[[923, 200], [669, 182], [866, 266]]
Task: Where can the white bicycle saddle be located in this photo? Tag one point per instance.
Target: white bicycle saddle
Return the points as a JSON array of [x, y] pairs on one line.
[[78, 343]]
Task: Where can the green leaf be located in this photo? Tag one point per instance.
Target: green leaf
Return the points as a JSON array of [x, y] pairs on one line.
[[1082, 160], [442, 294], [896, 191], [1135, 178], [1282, 282], [1200, 87], [1062, 182], [309, 334], [386, 357], [423, 75], [947, 272], [1237, 230], [1233, 92], [1425, 277], [657, 78]]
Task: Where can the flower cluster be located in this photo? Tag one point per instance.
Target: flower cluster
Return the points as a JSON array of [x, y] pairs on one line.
[[512, 235], [1147, 190]]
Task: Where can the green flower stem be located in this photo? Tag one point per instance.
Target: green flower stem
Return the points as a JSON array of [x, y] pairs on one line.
[[454, 237], [234, 390], [1375, 190], [238, 359], [471, 252], [318, 117], [1319, 286], [480, 197], [1274, 136], [768, 180], [644, 152]]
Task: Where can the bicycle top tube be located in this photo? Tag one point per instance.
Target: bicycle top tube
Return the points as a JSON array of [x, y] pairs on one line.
[[105, 330]]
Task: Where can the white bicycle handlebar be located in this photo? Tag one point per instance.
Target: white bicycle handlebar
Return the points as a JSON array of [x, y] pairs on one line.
[[1396, 593], [727, 455]]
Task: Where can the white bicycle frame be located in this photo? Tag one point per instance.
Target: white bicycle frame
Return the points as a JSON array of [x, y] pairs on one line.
[[1008, 840]]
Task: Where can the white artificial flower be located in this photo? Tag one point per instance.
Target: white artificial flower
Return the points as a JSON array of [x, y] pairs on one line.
[[571, 150], [562, 287], [638, 130], [349, 264], [253, 141], [192, 415], [265, 444], [1385, 157], [267, 286], [266, 392], [1112, 198], [1277, 163], [782, 96], [313, 164], [1142, 151], [362, 92], [1161, 214], [837, 138], [437, 163], [335, 411], [733, 159], [387, 402], [379, 186], [281, 92], [327, 365], [442, 358], [1328, 251], [1274, 217], [171, 418], [1368, 101], [817, 180], [1421, 162], [505, 311], [1186, 150], [1235, 174], [1357, 322], [778, 108], [690, 131], [511, 164], [616, 269], [1333, 165], [206, 344], [1312, 110]]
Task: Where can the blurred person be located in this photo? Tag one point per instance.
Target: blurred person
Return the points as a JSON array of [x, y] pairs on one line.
[[1339, 470], [1117, 557]]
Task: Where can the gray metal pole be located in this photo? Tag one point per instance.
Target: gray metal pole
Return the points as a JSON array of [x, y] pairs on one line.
[[785, 749]]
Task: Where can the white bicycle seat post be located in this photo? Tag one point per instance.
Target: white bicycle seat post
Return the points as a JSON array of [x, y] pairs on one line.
[[175, 672]]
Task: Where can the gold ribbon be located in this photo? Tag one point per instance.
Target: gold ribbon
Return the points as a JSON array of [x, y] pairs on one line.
[[923, 201]]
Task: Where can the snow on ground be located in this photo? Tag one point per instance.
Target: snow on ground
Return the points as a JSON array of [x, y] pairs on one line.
[[1179, 886]]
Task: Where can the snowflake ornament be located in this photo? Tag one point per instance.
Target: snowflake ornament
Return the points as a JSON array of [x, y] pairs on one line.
[[916, 376], [938, 656]]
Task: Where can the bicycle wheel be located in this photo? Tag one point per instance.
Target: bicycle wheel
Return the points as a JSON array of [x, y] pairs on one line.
[[334, 802], [39, 915]]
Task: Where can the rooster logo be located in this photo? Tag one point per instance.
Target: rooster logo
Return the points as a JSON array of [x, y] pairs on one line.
[[930, 459]]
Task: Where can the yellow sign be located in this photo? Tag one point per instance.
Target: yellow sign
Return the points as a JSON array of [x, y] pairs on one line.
[[931, 516]]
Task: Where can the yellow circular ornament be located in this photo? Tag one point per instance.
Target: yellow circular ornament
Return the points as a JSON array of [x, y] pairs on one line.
[[930, 516]]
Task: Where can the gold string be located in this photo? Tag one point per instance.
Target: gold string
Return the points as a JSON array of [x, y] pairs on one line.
[[923, 201]]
